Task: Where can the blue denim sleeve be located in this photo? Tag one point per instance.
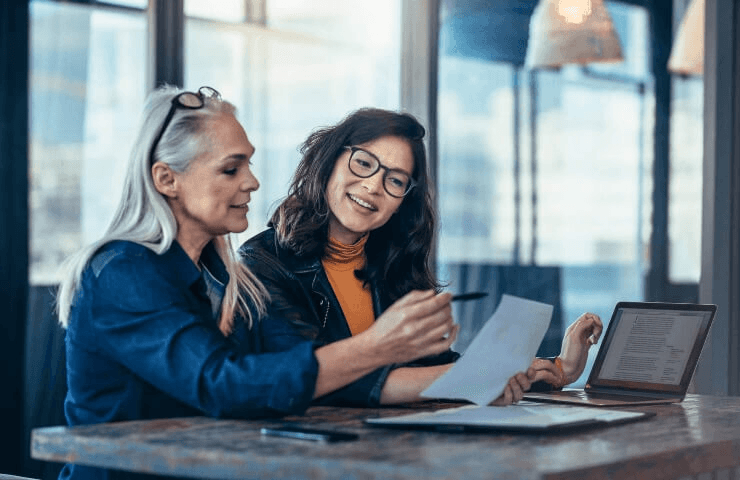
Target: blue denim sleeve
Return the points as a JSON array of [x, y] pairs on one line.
[[145, 322], [280, 335]]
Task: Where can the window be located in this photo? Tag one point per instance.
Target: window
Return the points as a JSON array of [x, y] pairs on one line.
[[87, 86], [228, 10], [685, 185], [544, 176]]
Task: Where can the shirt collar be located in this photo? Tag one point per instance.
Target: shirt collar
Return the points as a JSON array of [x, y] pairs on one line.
[[183, 269]]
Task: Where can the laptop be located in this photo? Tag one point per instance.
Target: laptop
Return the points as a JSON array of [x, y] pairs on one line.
[[648, 355], [523, 417]]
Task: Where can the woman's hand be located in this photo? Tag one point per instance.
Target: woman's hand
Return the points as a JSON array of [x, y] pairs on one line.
[[549, 372], [579, 337], [417, 325], [515, 388]]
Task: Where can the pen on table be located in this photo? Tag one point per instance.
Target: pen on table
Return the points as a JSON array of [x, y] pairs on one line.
[[468, 296]]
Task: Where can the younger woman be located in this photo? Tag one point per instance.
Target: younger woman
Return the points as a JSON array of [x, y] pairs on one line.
[[351, 245]]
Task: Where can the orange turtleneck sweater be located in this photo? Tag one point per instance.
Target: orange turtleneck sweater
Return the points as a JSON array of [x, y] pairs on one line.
[[340, 264]]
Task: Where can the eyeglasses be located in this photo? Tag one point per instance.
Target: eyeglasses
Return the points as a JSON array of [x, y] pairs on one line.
[[187, 100], [364, 164]]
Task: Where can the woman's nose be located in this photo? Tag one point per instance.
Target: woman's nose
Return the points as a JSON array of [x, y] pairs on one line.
[[374, 183], [250, 182]]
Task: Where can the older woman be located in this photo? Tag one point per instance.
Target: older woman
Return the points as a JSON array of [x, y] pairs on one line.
[[351, 246], [163, 320]]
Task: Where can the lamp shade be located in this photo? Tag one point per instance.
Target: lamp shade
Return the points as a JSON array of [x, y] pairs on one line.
[[687, 54], [571, 31]]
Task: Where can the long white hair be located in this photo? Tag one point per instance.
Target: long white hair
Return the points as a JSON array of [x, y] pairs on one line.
[[143, 215]]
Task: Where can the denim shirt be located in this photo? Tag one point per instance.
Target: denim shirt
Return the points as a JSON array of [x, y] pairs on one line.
[[143, 343]]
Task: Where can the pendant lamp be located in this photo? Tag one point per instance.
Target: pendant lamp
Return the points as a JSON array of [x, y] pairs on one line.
[[687, 54], [571, 31]]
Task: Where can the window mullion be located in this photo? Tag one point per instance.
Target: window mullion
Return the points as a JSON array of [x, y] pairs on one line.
[[166, 42]]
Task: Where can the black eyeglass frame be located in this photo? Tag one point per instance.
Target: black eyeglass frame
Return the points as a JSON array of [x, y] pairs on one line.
[[176, 103], [352, 149]]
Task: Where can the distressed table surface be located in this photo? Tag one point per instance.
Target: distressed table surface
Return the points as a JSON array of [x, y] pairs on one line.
[[698, 436]]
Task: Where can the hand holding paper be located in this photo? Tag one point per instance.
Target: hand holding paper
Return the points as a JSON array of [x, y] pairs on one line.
[[506, 344]]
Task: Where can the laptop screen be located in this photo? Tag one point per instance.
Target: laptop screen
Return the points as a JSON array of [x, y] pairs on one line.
[[651, 346]]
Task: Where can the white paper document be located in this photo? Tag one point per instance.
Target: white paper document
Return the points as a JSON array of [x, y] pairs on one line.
[[505, 345]]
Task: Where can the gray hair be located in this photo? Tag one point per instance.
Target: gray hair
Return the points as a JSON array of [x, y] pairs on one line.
[[143, 215]]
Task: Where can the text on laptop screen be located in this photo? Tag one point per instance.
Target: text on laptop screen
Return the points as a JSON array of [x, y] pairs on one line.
[[651, 346]]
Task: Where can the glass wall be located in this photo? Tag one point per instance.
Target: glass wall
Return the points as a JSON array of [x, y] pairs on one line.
[[685, 185], [545, 179], [299, 67], [87, 82], [685, 174]]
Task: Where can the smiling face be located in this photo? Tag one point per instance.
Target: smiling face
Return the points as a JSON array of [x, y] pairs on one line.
[[210, 198], [360, 205]]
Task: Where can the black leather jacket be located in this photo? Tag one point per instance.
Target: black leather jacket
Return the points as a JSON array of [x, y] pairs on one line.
[[301, 293]]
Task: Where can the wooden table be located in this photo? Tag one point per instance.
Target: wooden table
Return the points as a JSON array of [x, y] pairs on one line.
[[699, 438]]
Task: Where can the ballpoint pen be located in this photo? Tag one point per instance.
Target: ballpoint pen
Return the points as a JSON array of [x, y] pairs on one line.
[[468, 296]]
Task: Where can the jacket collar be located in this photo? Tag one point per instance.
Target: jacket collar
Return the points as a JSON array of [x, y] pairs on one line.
[[313, 269], [294, 263], [308, 269], [185, 271]]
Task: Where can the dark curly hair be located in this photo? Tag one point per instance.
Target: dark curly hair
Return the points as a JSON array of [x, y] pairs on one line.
[[398, 253]]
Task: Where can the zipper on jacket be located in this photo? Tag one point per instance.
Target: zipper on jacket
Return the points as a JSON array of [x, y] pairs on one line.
[[326, 311]]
